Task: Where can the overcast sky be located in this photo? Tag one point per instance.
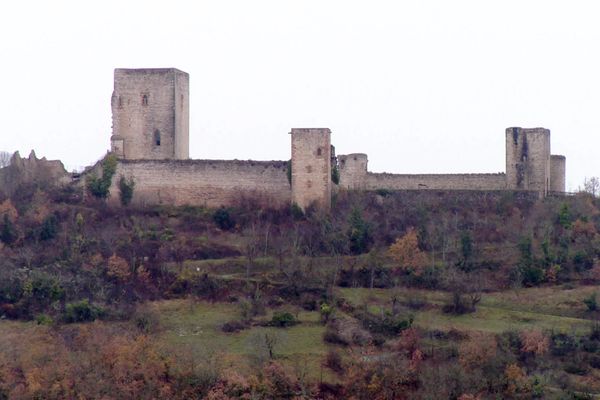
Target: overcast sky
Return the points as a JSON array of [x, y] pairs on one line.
[[420, 86]]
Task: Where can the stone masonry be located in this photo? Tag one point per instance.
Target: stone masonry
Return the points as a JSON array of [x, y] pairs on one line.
[[151, 139], [150, 109], [311, 167]]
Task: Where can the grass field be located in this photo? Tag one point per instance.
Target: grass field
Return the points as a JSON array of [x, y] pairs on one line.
[[551, 308]]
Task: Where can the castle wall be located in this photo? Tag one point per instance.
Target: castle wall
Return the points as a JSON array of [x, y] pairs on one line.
[[210, 183], [435, 181], [557, 173], [150, 109], [311, 167]]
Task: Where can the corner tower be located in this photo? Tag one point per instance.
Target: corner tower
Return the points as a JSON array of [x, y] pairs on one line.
[[528, 159], [311, 167], [150, 114]]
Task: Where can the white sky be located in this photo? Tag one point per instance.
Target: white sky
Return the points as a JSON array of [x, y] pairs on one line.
[[420, 86]]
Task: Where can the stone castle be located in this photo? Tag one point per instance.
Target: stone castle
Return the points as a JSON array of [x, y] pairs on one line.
[[150, 113]]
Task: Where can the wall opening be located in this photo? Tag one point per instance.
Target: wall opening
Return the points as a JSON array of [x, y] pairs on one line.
[[144, 99], [157, 137], [319, 152]]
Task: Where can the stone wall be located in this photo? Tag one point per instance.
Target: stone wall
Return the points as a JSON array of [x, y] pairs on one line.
[[311, 167], [31, 171], [557, 173], [150, 109], [435, 181], [210, 183]]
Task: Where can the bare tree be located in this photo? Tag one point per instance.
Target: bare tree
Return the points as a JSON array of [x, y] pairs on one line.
[[5, 157], [592, 186]]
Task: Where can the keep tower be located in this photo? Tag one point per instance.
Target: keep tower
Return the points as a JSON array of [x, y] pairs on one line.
[[150, 114]]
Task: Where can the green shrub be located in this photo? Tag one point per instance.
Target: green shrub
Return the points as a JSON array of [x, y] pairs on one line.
[[591, 303], [359, 233], [223, 219], [335, 175], [8, 232], [81, 311], [99, 186], [43, 319], [126, 190], [283, 320], [49, 228], [296, 212]]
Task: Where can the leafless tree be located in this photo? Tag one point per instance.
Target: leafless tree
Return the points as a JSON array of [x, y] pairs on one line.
[[592, 186], [5, 157]]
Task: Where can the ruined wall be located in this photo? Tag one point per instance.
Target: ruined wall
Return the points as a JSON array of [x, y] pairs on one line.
[[210, 183], [311, 167], [528, 159], [353, 170], [435, 181], [31, 171], [150, 109], [557, 173]]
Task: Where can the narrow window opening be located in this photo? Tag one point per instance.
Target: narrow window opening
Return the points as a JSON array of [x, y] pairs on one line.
[[319, 151], [145, 100], [120, 102], [157, 137]]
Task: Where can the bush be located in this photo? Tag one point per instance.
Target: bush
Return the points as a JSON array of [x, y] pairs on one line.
[[334, 362], [81, 311], [332, 336], [283, 320], [126, 190], [591, 303], [8, 232], [562, 344], [234, 326], [223, 219], [99, 187], [49, 228]]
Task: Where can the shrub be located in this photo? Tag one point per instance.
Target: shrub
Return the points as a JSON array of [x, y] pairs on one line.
[[99, 187], [333, 361], [234, 326], [43, 319], [223, 219], [591, 303], [49, 228], [8, 232], [283, 320], [562, 344], [335, 175], [296, 212], [359, 233], [332, 336], [126, 190], [81, 311]]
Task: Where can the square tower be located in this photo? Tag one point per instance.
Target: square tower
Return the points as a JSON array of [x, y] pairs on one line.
[[311, 167], [150, 113], [528, 159]]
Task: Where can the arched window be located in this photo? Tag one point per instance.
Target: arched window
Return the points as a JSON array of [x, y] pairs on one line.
[[157, 137], [144, 99]]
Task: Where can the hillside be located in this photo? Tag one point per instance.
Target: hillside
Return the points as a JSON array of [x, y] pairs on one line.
[[394, 294]]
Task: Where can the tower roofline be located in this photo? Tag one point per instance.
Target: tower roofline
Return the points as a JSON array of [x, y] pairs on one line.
[[148, 70]]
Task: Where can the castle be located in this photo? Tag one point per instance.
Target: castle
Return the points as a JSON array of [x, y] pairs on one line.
[[150, 137]]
